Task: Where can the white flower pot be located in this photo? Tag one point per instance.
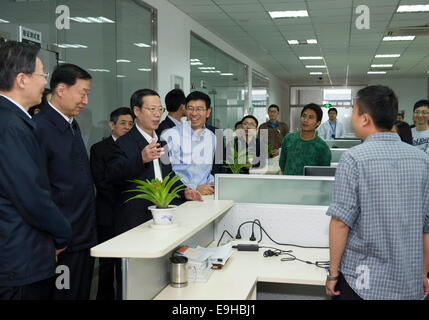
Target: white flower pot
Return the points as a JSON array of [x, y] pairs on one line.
[[162, 216]]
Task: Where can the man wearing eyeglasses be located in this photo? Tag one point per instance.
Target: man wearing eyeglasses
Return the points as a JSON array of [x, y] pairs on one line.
[[33, 231], [421, 131], [192, 145]]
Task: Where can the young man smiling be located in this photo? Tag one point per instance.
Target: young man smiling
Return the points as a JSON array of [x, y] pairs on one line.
[[192, 146], [421, 131], [305, 147]]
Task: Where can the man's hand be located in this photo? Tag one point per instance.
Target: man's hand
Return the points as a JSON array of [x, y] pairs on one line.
[[205, 189], [57, 252], [151, 152], [330, 288], [425, 285], [193, 195], [275, 152]]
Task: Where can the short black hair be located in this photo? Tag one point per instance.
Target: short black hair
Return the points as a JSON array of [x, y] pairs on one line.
[[42, 104], [115, 114], [333, 109], [137, 98], [316, 108], [421, 103], [15, 58], [250, 117], [68, 74], [404, 131], [381, 103], [198, 95], [237, 124], [174, 99], [274, 106]]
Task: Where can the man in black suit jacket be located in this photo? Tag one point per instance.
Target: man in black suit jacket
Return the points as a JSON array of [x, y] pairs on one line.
[[121, 121], [175, 104], [32, 228], [69, 173], [136, 155]]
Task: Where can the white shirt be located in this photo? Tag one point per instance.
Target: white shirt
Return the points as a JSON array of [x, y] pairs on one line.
[[18, 105], [176, 122], [69, 120], [421, 139], [325, 130], [149, 139]]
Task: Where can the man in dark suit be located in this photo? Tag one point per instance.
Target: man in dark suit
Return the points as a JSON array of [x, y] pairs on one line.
[[175, 104], [32, 228], [69, 173], [121, 121], [136, 155]]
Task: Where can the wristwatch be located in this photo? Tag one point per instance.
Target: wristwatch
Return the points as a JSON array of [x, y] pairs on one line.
[[331, 277]]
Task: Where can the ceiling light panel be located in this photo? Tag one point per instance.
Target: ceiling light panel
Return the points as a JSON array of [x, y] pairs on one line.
[[393, 55], [413, 8], [288, 14], [399, 38]]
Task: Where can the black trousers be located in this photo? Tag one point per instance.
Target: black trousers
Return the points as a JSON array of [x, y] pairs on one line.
[[41, 290], [81, 267], [106, 270], [347, 293]]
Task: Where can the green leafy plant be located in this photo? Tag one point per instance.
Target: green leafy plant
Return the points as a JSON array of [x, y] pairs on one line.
[[159, 193], [239, 158]]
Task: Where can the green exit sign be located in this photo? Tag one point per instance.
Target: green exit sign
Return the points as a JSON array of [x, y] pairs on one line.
[[327, 105]]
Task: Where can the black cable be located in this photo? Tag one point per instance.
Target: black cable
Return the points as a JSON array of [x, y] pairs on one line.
[[222, 236], [278, 243]]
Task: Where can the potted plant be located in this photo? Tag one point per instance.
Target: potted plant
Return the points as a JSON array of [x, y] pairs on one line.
[[240, 160], [160, 194]]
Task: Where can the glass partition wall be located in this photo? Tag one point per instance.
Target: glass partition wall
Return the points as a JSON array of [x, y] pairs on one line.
[[114, 40], [223, 78], [259, 97]]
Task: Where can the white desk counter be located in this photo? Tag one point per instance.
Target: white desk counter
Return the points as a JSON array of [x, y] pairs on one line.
[[238, 277], [146, 242]]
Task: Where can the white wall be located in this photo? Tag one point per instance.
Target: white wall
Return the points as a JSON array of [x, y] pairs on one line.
[[408, 91], [174, 29]]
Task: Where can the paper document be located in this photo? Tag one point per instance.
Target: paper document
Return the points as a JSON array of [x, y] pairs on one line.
[[218, 255]]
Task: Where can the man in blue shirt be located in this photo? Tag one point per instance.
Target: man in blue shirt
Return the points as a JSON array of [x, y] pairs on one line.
[[379, 230], [192, 146]]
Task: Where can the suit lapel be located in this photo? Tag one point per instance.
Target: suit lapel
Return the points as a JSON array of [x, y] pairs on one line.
[[5, 103]]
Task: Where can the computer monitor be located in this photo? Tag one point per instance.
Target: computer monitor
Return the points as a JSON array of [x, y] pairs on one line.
[[319, 171], [343, 143]]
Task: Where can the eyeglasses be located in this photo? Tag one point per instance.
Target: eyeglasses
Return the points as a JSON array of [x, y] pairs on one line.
[[44, 75], [249, 124], [424, 113], [197, 109], [155, 109]]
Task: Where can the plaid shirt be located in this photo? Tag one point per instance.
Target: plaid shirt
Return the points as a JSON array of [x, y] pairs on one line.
[[381, 192]]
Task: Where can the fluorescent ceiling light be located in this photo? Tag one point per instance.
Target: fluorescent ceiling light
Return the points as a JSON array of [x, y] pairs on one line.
[[376, 72], [141, 45], [120, 76], [321, 66], [311, 58], [231, 74], [206, 68], [315, 73], [195, 60], [144, 69], [122, 60], [413, 8], [99, 70], [4, 21], [311, 41], [395, 55], [196, 63], [69, 46], [399, 38], [92, 20], [288, 14], [293, 41], [381, 65]]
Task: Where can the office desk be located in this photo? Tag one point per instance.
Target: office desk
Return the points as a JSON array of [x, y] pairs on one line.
[[145, 250], [238, 277]]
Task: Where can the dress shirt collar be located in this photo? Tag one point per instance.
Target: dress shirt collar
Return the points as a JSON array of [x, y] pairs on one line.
[[68, 119], [17, 104], [147, 136], [383, 136], [176, 122]]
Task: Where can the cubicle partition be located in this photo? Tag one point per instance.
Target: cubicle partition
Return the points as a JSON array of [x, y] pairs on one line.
[[291, 209], [343, 144]]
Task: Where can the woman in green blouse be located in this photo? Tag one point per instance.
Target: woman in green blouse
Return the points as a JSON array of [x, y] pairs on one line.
[[305, 147]]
